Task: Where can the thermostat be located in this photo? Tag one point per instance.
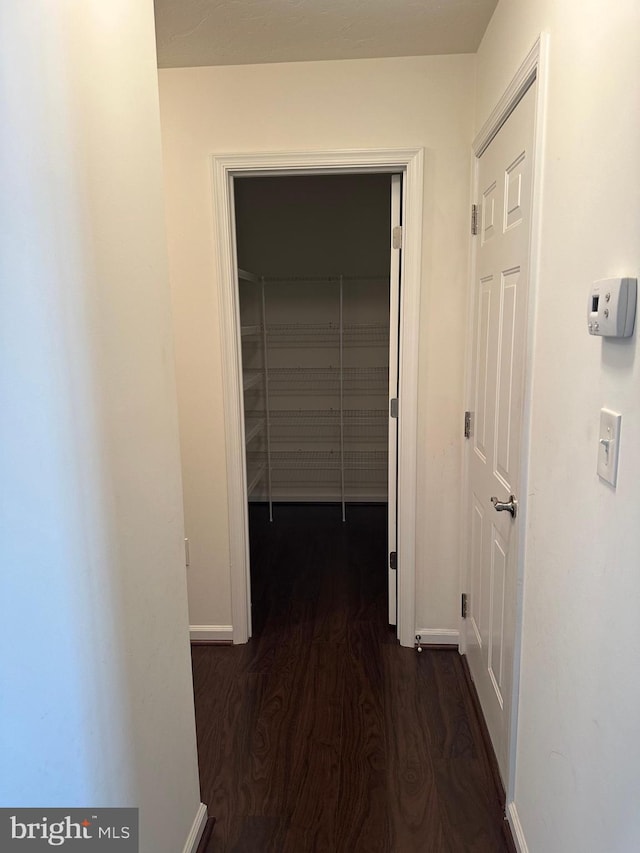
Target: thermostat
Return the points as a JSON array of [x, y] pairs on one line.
[[611, 311]]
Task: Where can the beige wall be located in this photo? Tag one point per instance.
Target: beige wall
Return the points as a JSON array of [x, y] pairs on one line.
[[97, 702], [578, 756], [392, 103]]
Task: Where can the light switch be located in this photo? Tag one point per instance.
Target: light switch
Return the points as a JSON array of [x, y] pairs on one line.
[[609, 445]]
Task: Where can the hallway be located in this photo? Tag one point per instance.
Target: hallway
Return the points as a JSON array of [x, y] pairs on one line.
[[322, 733]]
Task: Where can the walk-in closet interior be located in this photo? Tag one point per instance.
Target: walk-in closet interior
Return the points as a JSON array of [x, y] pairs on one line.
[[314, 264]]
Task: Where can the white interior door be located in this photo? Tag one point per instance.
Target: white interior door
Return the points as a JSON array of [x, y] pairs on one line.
[[394, 319], [500, 322]]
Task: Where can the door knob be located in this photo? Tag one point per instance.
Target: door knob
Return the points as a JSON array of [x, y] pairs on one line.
[[506, 506]]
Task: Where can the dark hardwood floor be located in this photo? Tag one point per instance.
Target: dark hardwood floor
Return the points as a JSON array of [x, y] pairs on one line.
[[322, 734]]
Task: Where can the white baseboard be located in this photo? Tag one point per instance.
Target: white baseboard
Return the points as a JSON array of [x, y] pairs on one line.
[[197, 828], [516, 828], [211, 633], [224, 634], [438, 636]]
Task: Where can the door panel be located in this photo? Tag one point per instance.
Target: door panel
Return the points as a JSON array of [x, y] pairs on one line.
[[477, 616], [505, 415], [498, 580], [394, 319], [502, 270], [483, 336]]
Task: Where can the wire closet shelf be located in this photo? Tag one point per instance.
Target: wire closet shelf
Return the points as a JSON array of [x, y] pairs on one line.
[[340, 443]]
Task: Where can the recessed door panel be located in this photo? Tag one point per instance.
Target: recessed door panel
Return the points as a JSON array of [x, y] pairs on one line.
[[498, 578], [477, 600], [482, 367], [504, 379], [488, 217], [513, 214]]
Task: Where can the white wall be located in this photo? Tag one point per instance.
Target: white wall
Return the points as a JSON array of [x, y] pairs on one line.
[[97, 706], [395, 103], [578, 758]]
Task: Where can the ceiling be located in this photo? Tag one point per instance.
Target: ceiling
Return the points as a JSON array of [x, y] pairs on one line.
[[241, 32]]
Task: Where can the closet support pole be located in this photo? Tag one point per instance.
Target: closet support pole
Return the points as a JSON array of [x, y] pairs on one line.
[[267, 419], [344, 517]]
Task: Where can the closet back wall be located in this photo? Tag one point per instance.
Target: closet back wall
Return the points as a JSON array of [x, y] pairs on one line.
[[304, 106], [311, 226], [301, 232]]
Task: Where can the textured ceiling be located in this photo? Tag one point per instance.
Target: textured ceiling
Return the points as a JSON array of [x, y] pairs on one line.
[[239, 32]]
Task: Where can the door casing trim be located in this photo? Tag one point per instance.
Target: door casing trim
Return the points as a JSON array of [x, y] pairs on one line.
[[224, 167], [533, 68]]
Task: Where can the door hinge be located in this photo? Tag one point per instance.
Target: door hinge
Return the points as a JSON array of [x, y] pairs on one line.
[[463, 605], [468, 424], [393, 560], [396, 239], [393, 407], [186, 553], [474, 219]]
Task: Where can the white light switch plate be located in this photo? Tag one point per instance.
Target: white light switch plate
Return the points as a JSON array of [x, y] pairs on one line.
[[609, 445]]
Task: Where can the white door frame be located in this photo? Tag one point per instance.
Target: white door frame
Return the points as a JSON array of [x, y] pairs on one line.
[[225, 167], [534, 67]]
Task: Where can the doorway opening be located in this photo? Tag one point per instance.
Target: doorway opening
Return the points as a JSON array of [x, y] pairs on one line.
[[229, 170], [318, 291]]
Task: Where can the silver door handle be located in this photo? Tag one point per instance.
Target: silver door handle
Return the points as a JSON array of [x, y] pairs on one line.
[[506, 506]]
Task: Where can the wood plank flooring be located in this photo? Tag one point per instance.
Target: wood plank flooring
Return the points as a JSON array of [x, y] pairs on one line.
[[322, 734]]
